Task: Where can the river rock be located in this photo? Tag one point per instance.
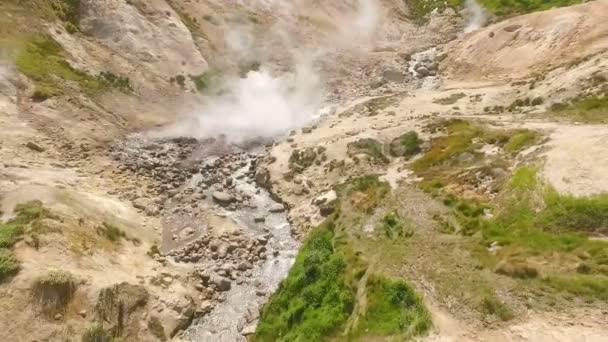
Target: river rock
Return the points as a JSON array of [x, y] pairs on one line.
[[277, 208], [222, 283], [141, 203], [223, 198]]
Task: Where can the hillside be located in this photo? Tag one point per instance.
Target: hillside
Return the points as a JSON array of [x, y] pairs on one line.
[[369, 170]]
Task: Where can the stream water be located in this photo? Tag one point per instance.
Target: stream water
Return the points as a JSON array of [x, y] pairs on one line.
[[237, 316]]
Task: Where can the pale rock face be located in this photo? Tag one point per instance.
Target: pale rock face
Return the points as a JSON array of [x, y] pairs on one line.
[[157, 39]]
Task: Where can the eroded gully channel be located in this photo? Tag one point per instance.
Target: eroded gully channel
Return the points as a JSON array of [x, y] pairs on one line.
[[218, 220]]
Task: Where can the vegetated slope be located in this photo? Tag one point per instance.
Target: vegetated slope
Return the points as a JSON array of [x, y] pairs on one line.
[[484, 237], [334, 291]]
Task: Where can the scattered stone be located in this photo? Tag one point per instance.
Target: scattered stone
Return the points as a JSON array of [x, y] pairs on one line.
[[223, 198], [34, 147], [222, 283], [277, 208], [141, 203]]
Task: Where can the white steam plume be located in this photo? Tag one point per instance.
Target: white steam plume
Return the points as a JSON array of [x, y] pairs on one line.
[[477, 16], [264, 104]]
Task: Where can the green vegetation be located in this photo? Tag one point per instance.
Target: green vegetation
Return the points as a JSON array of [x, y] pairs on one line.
[[300, 160], [315, 300], [111, 232], [586, 286], [509, 7], [42, 60], [319, 299], [97, 333], [118, 82], [537, 223], [9, 265], [54, 290], [406, 145], [419, 10], [492, 306], [393, 308], [67, 11], [591, 109], [365, 193], [465, 137], [393, 226], [371, 147], [207, 80], [521, 139], [27, 216]]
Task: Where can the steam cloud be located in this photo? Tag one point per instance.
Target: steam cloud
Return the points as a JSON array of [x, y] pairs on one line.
[[477, 16], [265, 104]]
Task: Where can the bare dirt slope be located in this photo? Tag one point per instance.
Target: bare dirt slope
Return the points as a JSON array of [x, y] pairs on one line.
[[529, 44]]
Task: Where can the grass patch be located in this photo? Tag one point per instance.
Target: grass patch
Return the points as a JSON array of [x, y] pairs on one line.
[[97, 333], [580, 285], [54, 290], [465, 137], [393, 226], [521, 139], [492, 306], [42, 60], [393, 308], [206, 81], [116, 81], [365, 193], [319, 298], [315, 300], [536, 222], [67, 11], [510, 7], [419, 10], [27, 215], [115, 234], [406, 145], [591, 109], [9, 264]]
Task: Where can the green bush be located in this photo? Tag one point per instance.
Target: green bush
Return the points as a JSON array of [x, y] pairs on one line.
[[119, 82], [315, 300], [394, 227], [590, 109], [406, 145], [393, 308], [206, 80], [9, 265], [97, 333], [42, 60], [492, 306], [111, 232]]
